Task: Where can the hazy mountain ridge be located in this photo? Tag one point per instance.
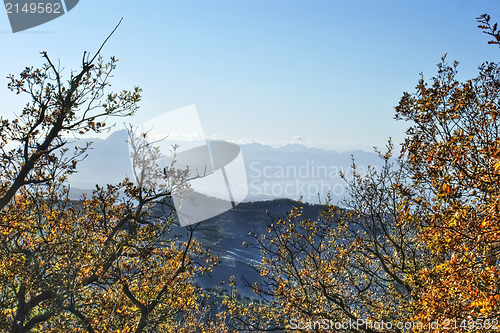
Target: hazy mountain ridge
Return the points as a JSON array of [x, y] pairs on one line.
[[291, 171]]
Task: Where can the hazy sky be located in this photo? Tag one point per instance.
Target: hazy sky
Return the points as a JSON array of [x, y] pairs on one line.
[[270, 71]]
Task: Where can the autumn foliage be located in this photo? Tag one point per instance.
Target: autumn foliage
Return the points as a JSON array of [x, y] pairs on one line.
[[105, 262], [418, 240], [452, 157]]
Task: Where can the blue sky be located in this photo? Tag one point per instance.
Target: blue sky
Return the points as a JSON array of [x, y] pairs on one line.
[[269, 71]]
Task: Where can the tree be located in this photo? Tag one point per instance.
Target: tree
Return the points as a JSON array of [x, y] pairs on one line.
[[345, 267], [452, 153], [417, 242], [103, 263]]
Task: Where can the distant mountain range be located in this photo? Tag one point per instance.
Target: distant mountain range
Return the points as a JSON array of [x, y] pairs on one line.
[[287, 172], [277, 178], [291, 171]]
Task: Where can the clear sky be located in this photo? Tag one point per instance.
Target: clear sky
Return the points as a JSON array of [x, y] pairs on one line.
[[269, 71]]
